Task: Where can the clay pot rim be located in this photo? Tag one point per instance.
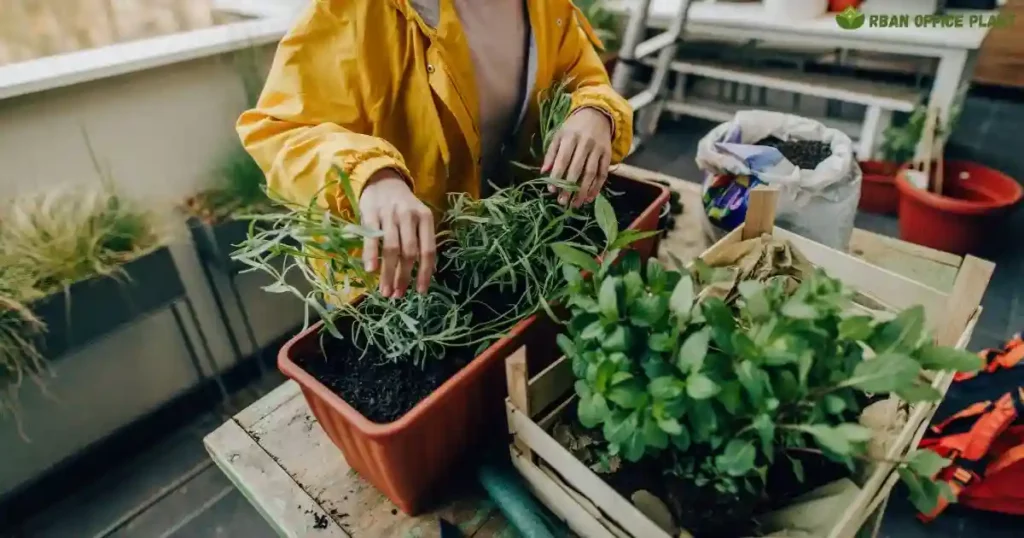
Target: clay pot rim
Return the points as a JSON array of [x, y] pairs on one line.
[[949, 204]]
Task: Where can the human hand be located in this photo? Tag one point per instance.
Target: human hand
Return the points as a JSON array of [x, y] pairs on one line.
[[580, 153], [387, 204]]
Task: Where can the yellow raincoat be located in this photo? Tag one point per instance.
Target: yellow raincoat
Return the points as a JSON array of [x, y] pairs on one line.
[[367, 85]]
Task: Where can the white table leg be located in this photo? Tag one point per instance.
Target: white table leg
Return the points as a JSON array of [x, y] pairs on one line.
[[955, 68], [876, 121]]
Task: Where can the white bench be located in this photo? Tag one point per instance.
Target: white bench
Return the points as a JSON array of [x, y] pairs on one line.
[[880, 99]]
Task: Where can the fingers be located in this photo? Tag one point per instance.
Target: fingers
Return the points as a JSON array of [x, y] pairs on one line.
[[562, 160], [549, 157], [428, 250], [392, 254], [371, 245], [407, 224], [597, 174], [577, 168]]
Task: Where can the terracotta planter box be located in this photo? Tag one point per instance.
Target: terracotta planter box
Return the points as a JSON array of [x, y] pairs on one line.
[[93, 308], [407, 459]]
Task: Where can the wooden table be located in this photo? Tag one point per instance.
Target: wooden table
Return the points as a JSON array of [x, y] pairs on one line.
[[276, 454]]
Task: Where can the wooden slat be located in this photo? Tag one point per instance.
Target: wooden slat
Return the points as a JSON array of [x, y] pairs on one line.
[[558, 500], [294, 440], [583, 479], [282, 502], [895, 290], [518, 391], [968, 290], [930, 267], [268, 404], [550, 385], [840, 87]]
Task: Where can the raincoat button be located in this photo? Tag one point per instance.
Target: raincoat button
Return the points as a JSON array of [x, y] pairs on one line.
[[558, 22], [430, 68]]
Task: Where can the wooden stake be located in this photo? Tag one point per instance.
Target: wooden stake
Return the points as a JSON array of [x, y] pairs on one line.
[[968, 290], [761, 206], [516, 377]]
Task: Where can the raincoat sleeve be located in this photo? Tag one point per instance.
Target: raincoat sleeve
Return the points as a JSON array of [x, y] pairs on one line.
[[579, 61], [315, 111]]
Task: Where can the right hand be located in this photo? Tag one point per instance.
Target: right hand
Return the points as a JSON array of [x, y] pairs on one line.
[[387, 204]]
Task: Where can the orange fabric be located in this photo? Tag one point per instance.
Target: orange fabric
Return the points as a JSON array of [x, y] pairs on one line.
[[366, 85], [971, 411]]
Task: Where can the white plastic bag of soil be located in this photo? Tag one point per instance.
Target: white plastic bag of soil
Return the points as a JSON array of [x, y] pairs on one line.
[[819, 204]]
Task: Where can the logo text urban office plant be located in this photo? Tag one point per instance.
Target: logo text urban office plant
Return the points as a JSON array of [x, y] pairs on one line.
[[852, 19]]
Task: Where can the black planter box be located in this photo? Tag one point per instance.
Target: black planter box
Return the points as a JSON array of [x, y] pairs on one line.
[[92, 308], [216, 242]]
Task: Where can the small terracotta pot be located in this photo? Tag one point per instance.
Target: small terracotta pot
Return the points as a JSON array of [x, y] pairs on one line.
[[409, 458], [878, 192]]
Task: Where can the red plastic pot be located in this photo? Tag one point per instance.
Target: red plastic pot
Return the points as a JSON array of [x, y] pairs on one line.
[[878, 192], [840, 5], [409, 458], [975, 201]]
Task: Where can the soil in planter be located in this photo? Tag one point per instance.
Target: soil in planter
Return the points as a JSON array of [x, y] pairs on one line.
[[806, 154], [383, 390]]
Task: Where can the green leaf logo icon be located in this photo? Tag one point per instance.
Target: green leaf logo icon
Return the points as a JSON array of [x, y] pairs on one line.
[[850, 19]]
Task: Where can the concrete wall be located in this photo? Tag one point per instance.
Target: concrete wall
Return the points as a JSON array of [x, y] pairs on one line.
[[161, 133]]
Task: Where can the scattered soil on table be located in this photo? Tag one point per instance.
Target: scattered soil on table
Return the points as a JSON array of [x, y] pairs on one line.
[[806, 154], [383, 390], [320, 521]]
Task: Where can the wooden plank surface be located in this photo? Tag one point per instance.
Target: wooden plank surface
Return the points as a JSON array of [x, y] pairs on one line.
[[277, 455], [286, 466]]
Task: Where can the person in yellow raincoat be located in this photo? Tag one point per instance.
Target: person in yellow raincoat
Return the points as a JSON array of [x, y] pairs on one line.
[[414, 99]]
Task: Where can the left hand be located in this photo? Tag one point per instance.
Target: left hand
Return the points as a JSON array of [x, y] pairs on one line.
[[581, 153]]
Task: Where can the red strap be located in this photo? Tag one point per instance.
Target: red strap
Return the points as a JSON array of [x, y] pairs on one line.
[[960, 479], [976, 443], [972, 410]]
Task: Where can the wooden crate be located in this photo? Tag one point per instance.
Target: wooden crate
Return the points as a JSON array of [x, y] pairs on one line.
[[592, 508]]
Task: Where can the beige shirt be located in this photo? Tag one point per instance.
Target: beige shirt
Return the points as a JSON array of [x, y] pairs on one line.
[[495, 31]]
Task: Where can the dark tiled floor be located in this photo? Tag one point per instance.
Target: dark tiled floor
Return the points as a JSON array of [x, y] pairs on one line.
[[174, 491]]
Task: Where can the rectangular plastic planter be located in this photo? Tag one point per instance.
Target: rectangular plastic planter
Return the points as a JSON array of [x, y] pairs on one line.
[[408, 458], [100, 305]]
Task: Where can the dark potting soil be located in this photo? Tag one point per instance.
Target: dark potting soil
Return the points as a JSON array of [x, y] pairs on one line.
[[383, 390], [805, 154]]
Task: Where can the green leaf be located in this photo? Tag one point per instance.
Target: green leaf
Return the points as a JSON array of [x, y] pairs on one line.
[[662, 342], [749, 288], [656, 276], [620, 377], [634, 285], [566, 345], [731, 396], [634, 447], [593, 331], [617, 340], [654, 436], [681, 440], [738, 458], [839, 440], [575, 257], [682, 297], [900, 334], [834, 405], [628, 395], [693, 351], [628, 237], [934, 357], [765, 428], [798, 469], [671, 426], [619, 427], [927, 463], [749, 376], [592, 411], [700, 387], [744, 347], [857, 328], [799, 310], [571, 273], [919, 392], [606, 218], [608, 298], [350, 193], [665, 388], [648, 310], [885, 373]]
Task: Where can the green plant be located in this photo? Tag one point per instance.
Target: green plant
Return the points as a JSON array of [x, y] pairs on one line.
[[241, 186], [604, 22], [726, 381], [899, 142]]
